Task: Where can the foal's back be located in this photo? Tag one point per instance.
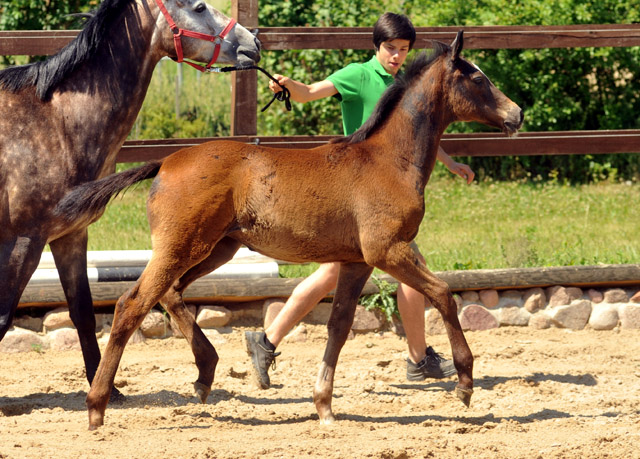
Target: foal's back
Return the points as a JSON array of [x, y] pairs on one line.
[[291, 204]]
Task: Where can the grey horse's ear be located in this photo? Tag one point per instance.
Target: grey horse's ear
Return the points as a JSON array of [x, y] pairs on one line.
[[457, 45]]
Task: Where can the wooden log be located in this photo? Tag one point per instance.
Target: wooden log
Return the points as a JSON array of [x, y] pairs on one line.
[[241, 290], [519, 278]]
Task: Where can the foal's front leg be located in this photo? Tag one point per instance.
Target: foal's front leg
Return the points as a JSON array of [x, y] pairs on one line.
[[402, 263], [351, 280]]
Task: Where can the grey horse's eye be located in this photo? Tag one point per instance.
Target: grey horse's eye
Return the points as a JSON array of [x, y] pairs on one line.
[[201, 8]]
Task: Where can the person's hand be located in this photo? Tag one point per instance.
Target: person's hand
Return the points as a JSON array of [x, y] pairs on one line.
[[276, 88], [462, 170]]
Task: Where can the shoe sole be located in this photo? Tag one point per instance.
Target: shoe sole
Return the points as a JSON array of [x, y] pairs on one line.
[[423, 377], [255, 375]]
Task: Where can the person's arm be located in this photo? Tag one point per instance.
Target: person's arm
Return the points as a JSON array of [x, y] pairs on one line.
[[301, 92], [460, 169]]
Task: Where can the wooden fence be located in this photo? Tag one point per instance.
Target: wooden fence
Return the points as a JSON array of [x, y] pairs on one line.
[[244, 84]]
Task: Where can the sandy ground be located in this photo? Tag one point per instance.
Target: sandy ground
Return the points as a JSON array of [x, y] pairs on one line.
[[539, 394]]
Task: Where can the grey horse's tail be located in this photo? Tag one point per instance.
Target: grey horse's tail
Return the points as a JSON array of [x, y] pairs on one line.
[[91, 198]]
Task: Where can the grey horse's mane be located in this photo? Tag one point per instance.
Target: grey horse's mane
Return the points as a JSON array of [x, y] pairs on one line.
[[48, 74]]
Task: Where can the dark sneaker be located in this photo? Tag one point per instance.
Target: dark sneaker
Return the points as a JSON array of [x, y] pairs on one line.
[[261, 357], [432, 366]]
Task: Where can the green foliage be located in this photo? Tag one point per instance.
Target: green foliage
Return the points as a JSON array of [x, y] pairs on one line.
[[182, 103], [40, 15], [384, 300], [560, 89]]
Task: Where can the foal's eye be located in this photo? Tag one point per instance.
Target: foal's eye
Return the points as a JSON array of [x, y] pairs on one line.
[[478, 80]]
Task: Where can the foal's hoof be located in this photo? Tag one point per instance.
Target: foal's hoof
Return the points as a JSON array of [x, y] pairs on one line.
[[327, 420], [116, 396], [95, 419], [202, 391], [464, 395]]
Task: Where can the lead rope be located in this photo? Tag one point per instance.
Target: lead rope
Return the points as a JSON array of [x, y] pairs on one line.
[[282, 96]]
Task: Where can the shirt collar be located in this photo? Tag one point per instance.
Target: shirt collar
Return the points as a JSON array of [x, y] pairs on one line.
[[377, 66]]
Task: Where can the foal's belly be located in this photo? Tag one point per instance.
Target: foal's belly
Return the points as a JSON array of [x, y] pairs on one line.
[[300, 247]]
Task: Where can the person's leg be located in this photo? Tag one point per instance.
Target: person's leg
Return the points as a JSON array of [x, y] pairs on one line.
[[411, 304], [424, 362], [303, 299], [261, 346]]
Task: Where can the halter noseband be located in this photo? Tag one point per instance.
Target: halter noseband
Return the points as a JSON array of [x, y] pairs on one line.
[[178, 33]]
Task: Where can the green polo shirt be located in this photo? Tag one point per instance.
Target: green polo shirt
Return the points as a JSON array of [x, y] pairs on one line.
[[359, 89]]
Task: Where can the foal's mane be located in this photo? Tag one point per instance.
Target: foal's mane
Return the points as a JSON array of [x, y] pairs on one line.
[[390, 98], [48, 74]]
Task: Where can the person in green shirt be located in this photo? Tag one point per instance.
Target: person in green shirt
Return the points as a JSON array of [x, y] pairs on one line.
[[358, 87]]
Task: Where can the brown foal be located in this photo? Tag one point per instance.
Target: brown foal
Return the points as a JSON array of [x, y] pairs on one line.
[[358, 201]]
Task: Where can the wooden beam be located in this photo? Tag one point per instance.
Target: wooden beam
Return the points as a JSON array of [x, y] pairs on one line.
[[45, 42], [480, 144], [475, 37], [244, 85]]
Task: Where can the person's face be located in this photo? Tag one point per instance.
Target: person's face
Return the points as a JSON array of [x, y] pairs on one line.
[[392, 54]]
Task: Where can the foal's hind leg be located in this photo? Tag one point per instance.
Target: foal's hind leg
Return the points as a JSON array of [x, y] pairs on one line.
[[70, 255], [402, 263], [351, 280], [205, 354], [130, 311]]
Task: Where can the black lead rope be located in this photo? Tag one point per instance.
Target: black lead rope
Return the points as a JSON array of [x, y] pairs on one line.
[[282, 96]]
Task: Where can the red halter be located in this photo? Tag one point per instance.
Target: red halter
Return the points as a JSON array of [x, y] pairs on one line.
[[178, 32]]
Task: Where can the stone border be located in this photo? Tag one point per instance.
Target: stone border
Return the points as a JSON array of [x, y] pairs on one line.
[[557, 306]]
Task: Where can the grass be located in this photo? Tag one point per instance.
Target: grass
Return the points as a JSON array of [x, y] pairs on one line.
[[483, 225]]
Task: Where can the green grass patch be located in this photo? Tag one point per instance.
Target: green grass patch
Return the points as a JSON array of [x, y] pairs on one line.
[[483, 225]]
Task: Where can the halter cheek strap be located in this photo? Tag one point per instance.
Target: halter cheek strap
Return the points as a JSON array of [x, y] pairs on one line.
[[178, 33]]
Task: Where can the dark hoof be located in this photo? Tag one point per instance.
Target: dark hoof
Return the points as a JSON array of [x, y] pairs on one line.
[[201, 391], [116, 396], [464, 395]]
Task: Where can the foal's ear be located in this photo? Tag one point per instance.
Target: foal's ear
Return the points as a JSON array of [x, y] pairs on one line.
[[457, 45]]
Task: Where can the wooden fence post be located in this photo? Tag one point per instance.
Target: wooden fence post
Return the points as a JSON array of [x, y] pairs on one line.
[[244, 85]]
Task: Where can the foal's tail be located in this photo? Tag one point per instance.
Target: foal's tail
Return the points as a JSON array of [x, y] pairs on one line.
[[90, 199]]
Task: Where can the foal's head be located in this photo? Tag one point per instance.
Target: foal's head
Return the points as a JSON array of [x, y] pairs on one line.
[[471, 96]]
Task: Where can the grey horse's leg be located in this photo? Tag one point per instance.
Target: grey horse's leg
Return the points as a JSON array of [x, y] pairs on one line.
[[19, 258]]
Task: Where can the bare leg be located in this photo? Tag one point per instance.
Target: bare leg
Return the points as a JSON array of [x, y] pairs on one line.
[[303, 299], [205, 354], [351, 280], [411, 307]]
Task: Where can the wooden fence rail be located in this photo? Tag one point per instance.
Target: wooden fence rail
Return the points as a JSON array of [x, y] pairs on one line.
[[46, 42], [478, 144]]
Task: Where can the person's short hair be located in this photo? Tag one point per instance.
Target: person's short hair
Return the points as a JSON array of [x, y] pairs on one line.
[[392, 26]]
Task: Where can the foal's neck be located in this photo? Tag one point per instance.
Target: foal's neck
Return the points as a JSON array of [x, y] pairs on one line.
[[421, 115]]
